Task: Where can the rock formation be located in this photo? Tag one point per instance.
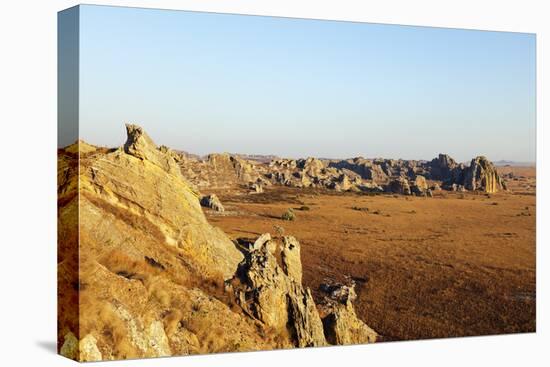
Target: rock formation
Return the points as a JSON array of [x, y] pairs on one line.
[[140, 145], [399, 186], [356, 174], [148, 260], [419, 186], [274, 295], [341, 324], [290, 256], [213, 202], [367, 169], [482, 175], [442, 167]]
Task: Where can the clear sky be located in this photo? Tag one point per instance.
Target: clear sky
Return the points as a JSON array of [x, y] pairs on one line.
[[212, 83]]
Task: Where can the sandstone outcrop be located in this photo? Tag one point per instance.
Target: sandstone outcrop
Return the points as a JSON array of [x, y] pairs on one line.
[[341, 324], [419, 186], [356, 174], [367, 169], [399, 186], [151, 268], [291, 261], [442, 168], [140, 145], [274, 295], [482, 175], [316, 173], [142, 184]]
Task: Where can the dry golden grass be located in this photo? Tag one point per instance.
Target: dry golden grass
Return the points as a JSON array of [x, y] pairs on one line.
[[452, 265]]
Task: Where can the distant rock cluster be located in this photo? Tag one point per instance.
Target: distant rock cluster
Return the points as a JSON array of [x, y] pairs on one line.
[[480, 175], [404, 177]]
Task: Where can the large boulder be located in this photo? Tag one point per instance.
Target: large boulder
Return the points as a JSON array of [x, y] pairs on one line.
[[213, 202]]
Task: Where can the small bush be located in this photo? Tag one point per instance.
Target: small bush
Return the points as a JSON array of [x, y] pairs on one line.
[[288, 215]]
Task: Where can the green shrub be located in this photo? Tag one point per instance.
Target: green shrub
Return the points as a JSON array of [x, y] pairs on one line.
[[288, 215]]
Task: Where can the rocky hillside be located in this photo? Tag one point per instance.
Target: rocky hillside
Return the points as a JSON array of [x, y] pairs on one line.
[[156, 279]]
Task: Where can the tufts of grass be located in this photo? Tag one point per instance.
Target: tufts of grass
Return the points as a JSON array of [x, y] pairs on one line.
[[289, 215]]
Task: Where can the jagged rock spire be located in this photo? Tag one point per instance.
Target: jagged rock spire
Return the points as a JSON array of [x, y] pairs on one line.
[[141, 146]]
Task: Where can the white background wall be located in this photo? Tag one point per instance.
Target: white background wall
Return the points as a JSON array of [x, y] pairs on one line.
[[28, 182]]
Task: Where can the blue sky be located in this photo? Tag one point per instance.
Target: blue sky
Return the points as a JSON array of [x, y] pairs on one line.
[[212, 83]]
